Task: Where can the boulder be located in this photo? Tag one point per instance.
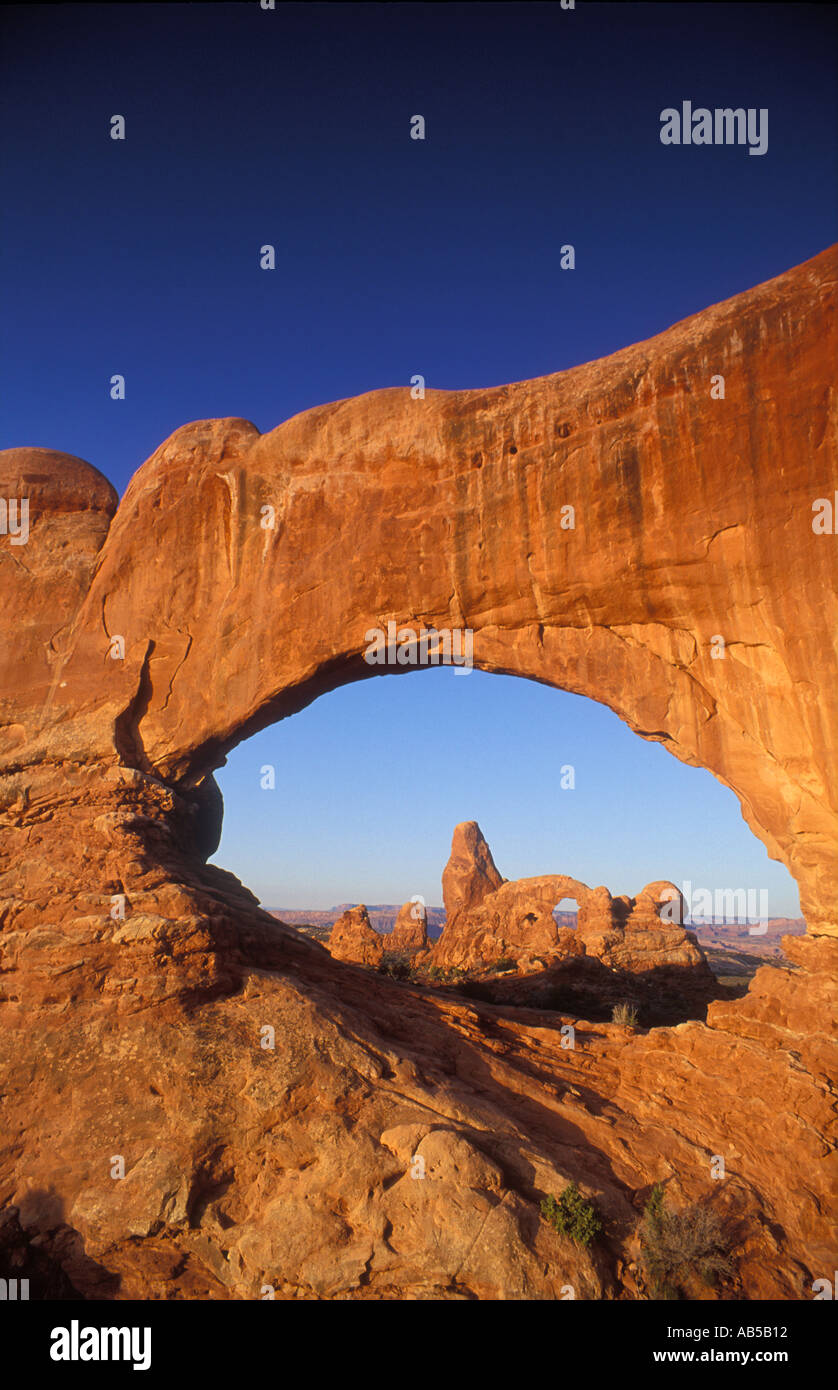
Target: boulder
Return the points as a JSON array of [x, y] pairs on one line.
[[353, 938]]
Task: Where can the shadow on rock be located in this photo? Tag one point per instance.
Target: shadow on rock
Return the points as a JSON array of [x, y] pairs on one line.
[[49, 1254]]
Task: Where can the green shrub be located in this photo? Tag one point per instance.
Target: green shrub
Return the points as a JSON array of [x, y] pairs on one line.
[[435, 973], [681, 1245], [624, 1013], [653, 1209], [442, 976], [572, 1216]]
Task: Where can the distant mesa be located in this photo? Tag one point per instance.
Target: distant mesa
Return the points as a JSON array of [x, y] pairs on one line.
[[318, 922]]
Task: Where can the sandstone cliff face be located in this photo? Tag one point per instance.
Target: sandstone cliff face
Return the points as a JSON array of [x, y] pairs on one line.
[[268, 1101]]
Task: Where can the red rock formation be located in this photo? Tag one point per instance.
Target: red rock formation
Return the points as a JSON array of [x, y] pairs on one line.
[[410, 932], [515, 921], [681, 534], [353, 938], [470, 874], [266, 1099], [44, 581]]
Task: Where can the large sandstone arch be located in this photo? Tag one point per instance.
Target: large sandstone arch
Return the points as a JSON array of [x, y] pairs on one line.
[[693, 519], [136, 980]]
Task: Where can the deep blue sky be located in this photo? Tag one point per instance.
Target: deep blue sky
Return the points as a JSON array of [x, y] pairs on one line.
[[396, 257]]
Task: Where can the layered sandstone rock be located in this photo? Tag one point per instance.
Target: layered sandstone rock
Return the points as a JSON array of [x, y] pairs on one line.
[[268, 1100], [354, 938]]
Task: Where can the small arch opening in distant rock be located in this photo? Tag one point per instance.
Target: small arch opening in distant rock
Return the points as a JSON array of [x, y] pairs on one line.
[[565, 913]]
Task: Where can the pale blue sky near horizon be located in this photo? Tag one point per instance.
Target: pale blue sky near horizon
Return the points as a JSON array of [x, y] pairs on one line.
[[395, 257]]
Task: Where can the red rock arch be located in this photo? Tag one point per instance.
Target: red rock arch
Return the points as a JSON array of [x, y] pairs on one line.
[[693, 519]]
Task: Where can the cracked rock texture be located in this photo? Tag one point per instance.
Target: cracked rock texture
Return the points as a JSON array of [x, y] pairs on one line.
[[268, 1102]]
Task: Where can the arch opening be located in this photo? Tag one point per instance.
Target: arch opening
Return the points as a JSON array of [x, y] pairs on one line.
[[566, 913], [349, 786]]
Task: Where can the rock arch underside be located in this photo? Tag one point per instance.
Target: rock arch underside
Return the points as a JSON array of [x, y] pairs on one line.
[[144, 1035]]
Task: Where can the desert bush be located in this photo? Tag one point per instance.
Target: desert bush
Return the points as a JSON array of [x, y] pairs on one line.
[[442, 976], [680, 1245], [503, 963], [624, 1013], [572, 1216], [396, 964]]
